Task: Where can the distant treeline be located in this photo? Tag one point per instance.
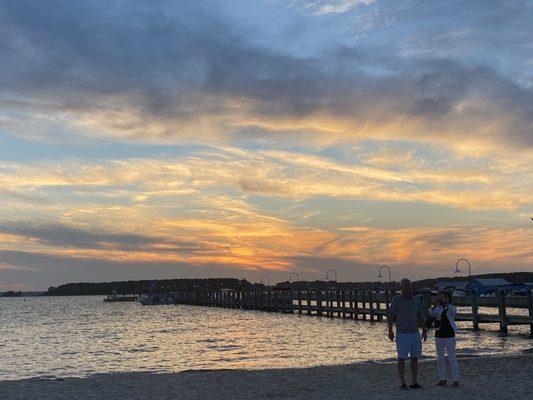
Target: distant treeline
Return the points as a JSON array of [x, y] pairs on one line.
[[137, 287], [12, 293], [174, 285], [20, 293]]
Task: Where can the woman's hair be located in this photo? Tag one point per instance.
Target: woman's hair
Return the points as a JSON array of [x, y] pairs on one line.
[[447, 294]]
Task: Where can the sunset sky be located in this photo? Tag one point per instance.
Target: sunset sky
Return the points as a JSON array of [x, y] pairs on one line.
[[166, 139]]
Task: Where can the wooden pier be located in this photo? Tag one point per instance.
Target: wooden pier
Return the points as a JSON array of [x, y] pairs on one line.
[[358, 304]]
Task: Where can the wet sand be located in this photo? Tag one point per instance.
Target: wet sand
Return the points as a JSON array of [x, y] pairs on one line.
[[482, 378]]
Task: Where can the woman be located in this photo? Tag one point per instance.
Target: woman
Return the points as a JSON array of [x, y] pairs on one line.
[[445, 312]]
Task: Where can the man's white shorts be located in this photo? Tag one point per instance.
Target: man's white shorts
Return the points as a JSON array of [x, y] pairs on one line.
[[409, 345]]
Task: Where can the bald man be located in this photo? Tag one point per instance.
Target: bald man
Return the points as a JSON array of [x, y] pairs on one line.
[[406, 311]]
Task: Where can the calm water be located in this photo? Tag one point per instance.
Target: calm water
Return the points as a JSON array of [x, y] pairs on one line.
[[78, 336]]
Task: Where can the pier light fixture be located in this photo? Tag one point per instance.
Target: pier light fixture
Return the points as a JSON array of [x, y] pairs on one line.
[[294, 274], [388, 269], [457, 270], [267, 280], [334, 273]]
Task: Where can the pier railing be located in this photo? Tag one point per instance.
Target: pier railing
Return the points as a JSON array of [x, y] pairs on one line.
[[358, 304]]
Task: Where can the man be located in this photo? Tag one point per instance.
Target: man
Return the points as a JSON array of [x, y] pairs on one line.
[[406, 310]]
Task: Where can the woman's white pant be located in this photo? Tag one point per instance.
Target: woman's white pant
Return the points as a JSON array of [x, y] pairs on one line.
[[448, 345]]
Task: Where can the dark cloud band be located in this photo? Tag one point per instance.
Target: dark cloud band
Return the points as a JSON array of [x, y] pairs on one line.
[[178, 68]]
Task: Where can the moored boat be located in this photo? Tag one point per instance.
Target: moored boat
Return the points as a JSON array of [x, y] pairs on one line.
[[150, 299], [115, 297], [119, 299]]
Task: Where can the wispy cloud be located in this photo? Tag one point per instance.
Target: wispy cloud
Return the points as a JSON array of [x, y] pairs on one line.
[[328, 6], [458, 181], [198, 210], [355, 253]]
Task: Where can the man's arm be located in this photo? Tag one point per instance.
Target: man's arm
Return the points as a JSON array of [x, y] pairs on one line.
[[422, 323], [390, 319]]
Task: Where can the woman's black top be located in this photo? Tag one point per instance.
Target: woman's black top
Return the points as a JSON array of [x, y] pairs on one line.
[[445, 329]]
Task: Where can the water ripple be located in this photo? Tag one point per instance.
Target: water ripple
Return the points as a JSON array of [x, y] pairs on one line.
[[55, 337]]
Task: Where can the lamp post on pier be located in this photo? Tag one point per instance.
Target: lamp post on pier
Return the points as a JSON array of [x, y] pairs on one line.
[[458, 271], [267, 279], [388, 269], [327, 275]]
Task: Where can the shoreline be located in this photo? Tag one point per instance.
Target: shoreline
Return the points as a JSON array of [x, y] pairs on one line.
[[386, 361], [497, 377]]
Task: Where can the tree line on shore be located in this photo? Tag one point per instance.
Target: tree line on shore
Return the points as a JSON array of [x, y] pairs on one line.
[[175, 285]]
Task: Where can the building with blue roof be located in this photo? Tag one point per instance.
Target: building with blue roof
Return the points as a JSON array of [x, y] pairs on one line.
[[490, 285]]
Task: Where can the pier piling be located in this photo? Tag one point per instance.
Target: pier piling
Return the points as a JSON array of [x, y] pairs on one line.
[[502, 312], [475, 316], [530, 309]]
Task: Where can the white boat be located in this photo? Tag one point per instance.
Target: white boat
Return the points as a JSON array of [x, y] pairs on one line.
[[150, 299]]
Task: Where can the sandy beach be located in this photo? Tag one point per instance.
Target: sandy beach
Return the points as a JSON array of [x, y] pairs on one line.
[[487, 378]]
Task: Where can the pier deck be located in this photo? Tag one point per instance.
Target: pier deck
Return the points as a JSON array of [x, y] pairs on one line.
[[359, 304]]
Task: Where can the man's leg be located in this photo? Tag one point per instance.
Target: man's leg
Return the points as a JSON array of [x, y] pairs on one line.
[[402, 347], [401, 370], [415, 353], [414, 370]]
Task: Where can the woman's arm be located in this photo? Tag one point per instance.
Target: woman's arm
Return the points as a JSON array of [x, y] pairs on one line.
[[452, 311], [435, 311]]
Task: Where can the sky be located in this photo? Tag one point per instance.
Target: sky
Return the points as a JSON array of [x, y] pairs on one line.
[[243, 138]]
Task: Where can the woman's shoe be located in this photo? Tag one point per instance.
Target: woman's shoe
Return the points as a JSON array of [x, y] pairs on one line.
[[455, 384], [441, 383]]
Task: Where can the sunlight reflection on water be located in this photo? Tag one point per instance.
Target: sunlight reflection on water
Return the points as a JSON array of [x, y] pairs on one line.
[[77, 336]]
